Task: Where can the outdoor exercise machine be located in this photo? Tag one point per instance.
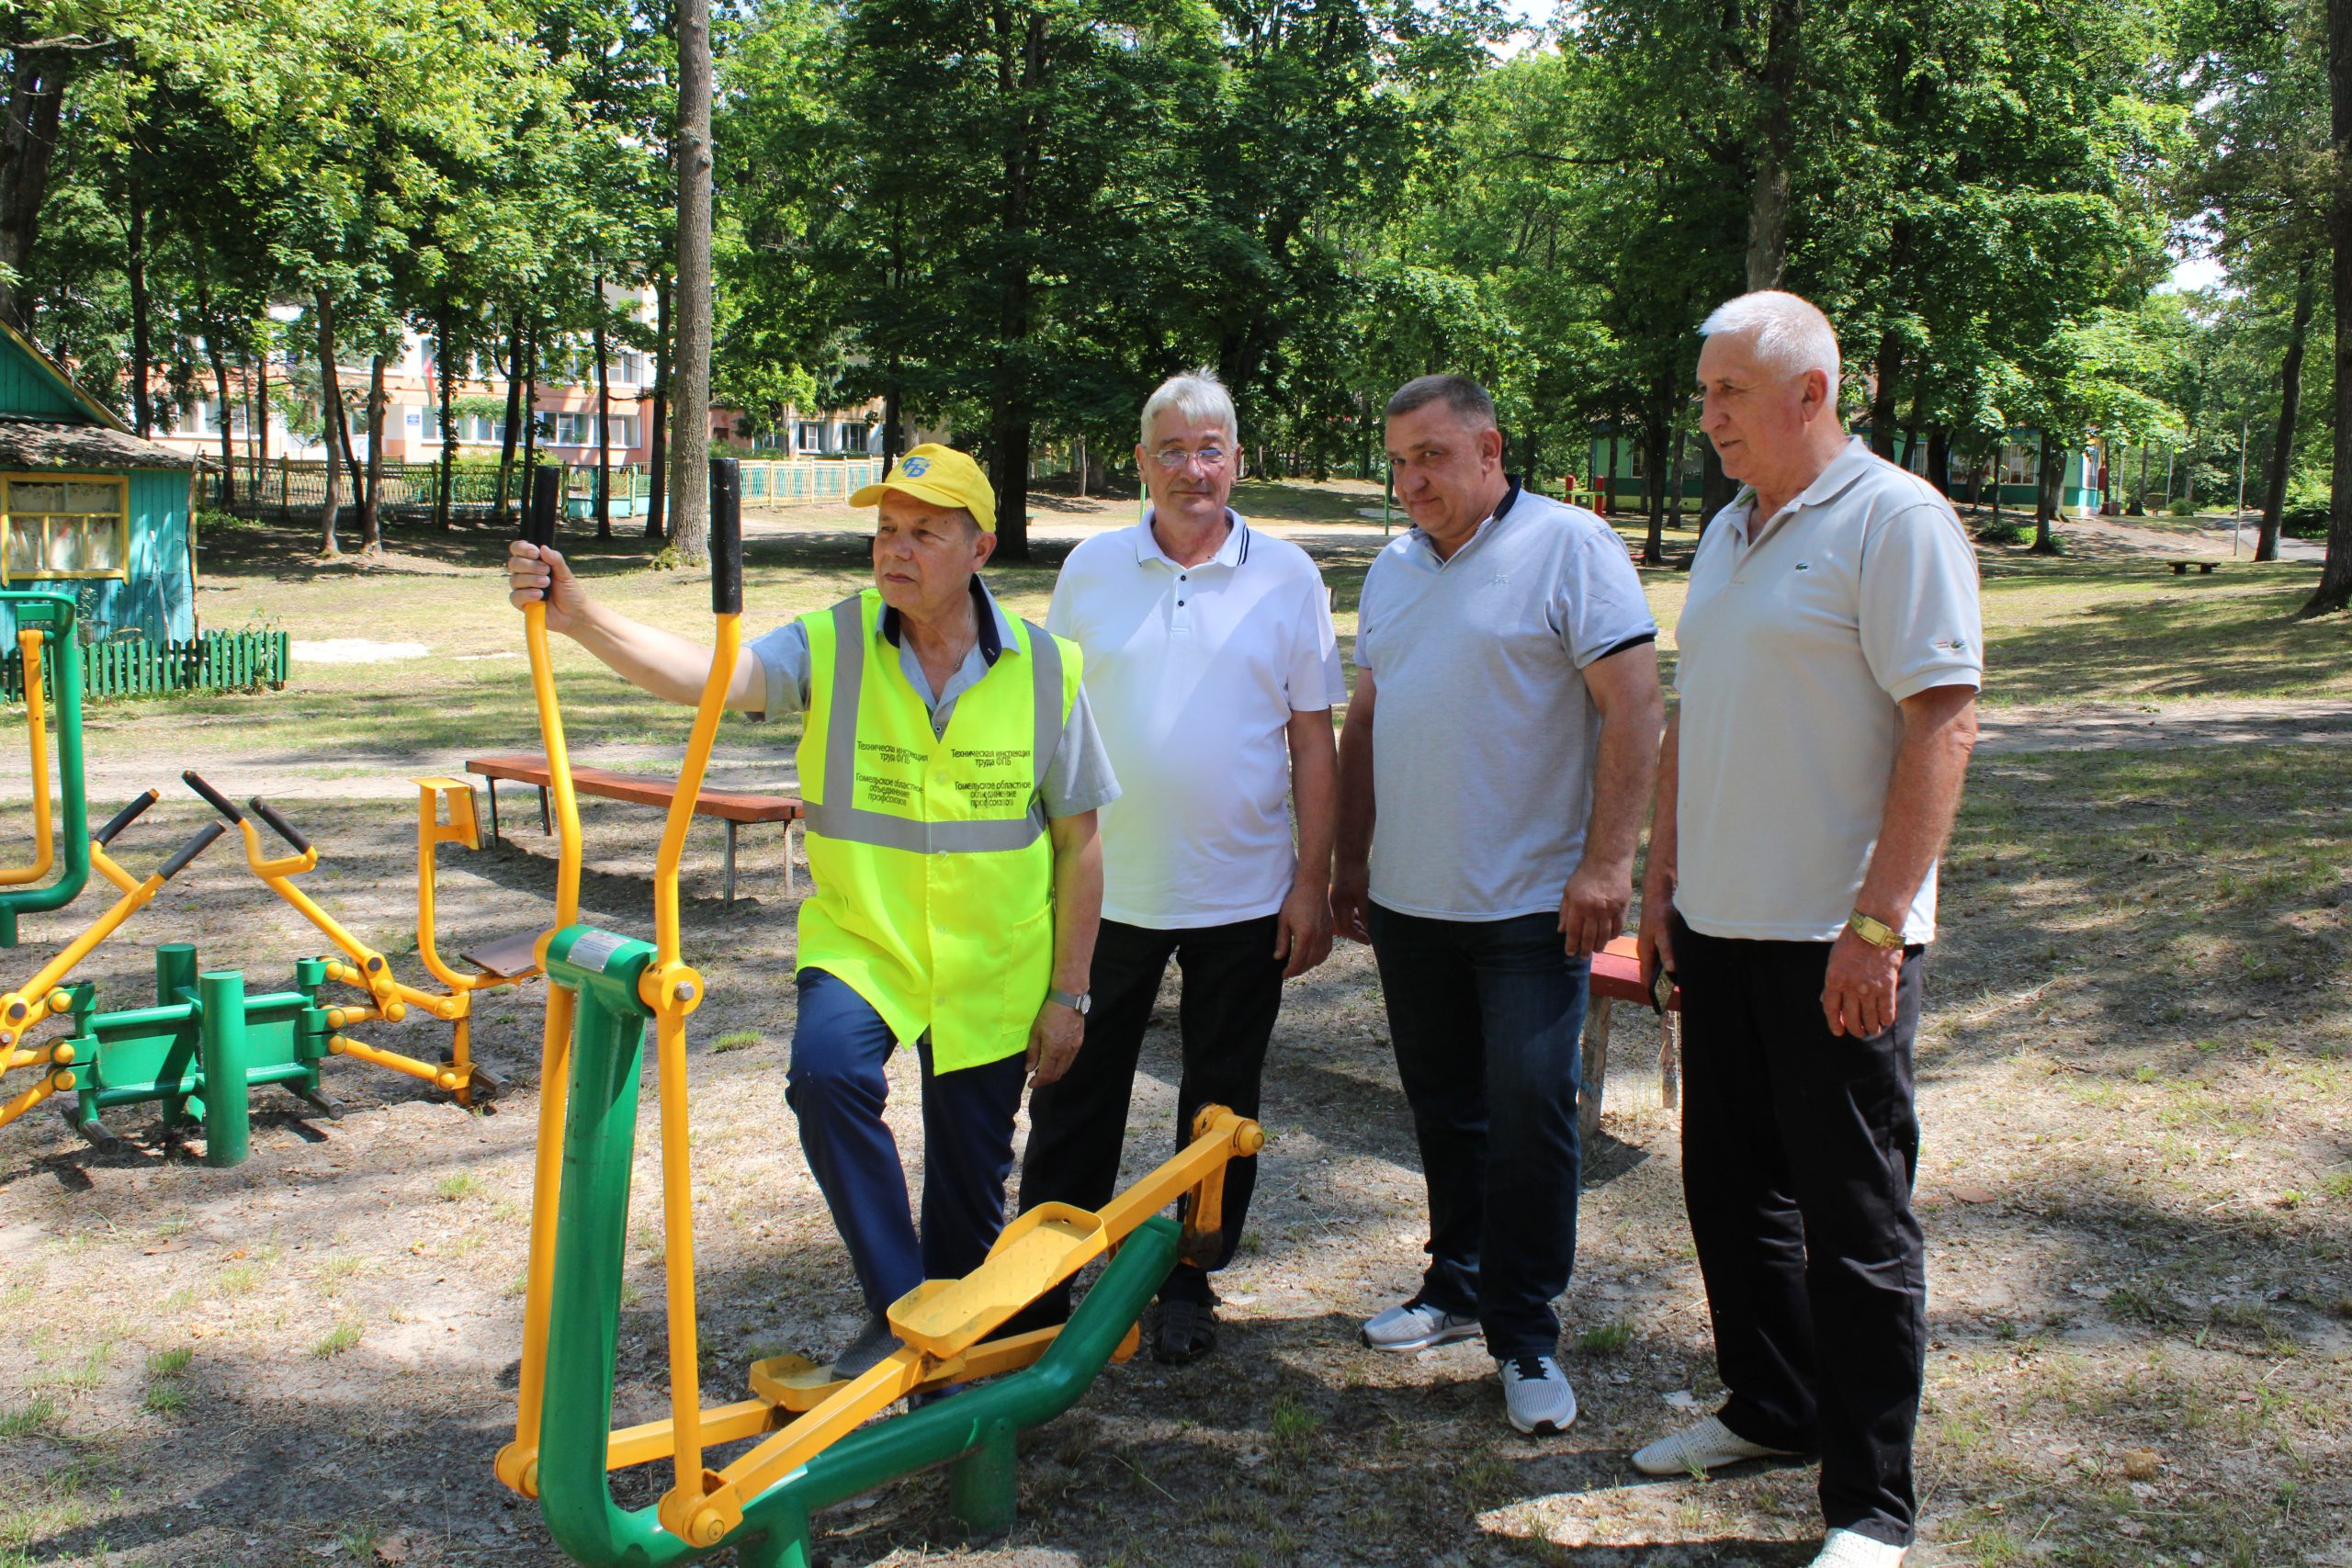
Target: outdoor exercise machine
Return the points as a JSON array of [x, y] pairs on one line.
[[45, 625], [503, 962], [603, 991]]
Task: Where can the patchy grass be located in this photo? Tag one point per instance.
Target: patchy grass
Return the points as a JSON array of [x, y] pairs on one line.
[[735, 1040], [344, 1337]]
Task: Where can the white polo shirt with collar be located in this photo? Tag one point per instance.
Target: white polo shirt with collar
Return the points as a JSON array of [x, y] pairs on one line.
[[1799, 640], [1193, 673]]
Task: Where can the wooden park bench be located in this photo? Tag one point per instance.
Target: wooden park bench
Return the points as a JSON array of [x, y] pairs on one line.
[[2204, 567], [1617, 978], [729, 806]]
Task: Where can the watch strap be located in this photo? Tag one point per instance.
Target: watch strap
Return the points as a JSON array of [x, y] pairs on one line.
[[1077, 1001], [1877, 933]]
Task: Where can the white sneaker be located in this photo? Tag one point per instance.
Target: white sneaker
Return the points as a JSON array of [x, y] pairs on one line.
[[1536, 1394], [1415, 1325], [1710, 1445], [1851, 1549]]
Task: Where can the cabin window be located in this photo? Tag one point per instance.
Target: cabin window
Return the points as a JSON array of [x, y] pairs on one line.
[[63, 525]]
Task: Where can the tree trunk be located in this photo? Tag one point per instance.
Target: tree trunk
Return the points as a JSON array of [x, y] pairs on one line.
[[329, 421], [1653, 444], [2334, 589], [893, 413], [604, 418], [2139, 507], [447, 386], [657, 492], [228, 419], [1887, 367], [1768, 207], [1716, 487], [690, 485], [142, 409], [2049, 477], [507, 436], [1609, 495], [2291, 405], [530, 409], [1020, 68], [371, 539], [36, 80], [1940, 459]]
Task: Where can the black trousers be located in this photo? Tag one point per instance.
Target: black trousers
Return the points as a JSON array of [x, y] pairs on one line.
[[1799, 1149], [1232, 990]]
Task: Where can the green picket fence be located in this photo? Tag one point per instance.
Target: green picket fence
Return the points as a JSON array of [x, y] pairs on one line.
[[216, 661]]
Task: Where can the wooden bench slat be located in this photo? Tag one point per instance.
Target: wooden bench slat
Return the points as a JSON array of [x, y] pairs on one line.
[[730, 805]]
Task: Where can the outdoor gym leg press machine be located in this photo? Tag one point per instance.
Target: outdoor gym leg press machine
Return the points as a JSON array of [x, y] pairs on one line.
[[603, 991], [45, 623]]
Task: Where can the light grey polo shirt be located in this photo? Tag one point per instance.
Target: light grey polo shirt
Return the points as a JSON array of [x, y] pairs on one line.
[[1483, 737], [1078, 779], [1798, 646]]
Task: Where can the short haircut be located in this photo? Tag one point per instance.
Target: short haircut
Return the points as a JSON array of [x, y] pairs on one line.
[[1192, 396], [1468, 399], [1792, 334]]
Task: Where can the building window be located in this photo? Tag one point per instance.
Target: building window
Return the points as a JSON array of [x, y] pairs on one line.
[[809, 437], [853, 438], [620, 430], [572, 429], [204, 418], [2018, 464], [63, 525], [768, 441]]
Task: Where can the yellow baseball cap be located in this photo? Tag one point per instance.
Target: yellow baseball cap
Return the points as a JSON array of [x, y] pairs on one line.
[[942, 476]]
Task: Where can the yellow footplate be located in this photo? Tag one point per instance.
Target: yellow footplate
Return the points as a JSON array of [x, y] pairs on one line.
[[1037, 1251], [795, 1382]]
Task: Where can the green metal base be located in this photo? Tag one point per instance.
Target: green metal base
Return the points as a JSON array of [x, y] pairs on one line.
[[973, 1432], [201, 1050]]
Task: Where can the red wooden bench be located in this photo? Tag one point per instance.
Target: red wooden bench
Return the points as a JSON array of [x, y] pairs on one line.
[[729, 806], [1617, 978]]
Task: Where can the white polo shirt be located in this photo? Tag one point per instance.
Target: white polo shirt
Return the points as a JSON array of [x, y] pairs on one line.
[[1798, 647], [1193, 673]]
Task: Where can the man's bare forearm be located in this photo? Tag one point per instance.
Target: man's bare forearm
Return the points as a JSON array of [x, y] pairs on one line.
[[1658, 872], [1625, 768], [1352, 834], [671, 667], [1922, 798], [1315, 794], [1078, 898]]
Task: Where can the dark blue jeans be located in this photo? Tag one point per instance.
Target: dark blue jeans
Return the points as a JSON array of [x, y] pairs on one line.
[[835, 1086], [1485, 1016]]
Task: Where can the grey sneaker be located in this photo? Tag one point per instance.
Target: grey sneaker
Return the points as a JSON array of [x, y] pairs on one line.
[[1416, 1325], [1536, 1394], [873, 1345], [1708, 1445]]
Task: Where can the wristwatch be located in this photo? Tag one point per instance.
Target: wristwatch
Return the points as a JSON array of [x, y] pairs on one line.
[[1078, 1002], [1877, 933]]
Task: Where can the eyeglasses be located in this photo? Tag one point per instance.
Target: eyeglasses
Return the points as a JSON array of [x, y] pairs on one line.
[[1210, 458]]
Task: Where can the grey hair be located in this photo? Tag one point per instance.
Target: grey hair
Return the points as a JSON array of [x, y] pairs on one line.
[[1468, 399], [1792, 334], [1194, 395]]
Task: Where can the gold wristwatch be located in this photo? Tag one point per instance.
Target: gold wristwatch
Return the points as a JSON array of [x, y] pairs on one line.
[[1877, 933]]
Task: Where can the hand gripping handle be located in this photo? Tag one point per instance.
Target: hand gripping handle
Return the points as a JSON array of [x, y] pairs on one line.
[[285, 830], [213, 797], [125, 818], [726, 536], [193, 848]]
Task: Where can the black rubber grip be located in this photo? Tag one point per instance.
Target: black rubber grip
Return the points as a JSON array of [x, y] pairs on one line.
[[126, 816], [193, 848], [285, 830], [213, 797], [547, 501], [726, 536]]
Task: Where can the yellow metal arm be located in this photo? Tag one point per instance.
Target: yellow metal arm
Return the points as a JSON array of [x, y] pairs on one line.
[[40, 997]]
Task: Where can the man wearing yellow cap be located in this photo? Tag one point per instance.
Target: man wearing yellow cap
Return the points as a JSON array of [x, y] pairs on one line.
[[951, 771]]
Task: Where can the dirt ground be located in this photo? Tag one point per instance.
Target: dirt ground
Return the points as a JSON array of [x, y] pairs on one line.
[[2136, 1182]]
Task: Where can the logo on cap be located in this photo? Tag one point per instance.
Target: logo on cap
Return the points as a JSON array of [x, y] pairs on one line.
[[915, 468]]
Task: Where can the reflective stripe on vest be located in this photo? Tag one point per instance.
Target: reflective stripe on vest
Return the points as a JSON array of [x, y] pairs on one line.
[[855, 825]]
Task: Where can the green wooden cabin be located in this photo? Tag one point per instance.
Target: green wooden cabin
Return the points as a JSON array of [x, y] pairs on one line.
[[86, 508]]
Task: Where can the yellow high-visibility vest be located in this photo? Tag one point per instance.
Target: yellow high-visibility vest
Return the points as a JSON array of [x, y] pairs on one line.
[[935, 871]]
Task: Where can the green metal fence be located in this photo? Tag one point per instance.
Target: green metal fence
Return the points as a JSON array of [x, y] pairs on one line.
[[216, 661]]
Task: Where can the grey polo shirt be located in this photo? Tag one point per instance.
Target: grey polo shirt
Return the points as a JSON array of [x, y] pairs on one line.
[[1800, 638], [1483, 737], [1078, 779]]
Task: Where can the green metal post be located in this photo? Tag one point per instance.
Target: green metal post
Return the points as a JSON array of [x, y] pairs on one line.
[[53, 614], [175, 972], [982, 1487], [228, 1111]]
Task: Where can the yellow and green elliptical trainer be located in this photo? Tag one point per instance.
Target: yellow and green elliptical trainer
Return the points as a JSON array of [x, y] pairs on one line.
[[815, 1449]]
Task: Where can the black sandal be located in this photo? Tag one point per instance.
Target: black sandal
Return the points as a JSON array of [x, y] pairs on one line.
[[1187, 1332]]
